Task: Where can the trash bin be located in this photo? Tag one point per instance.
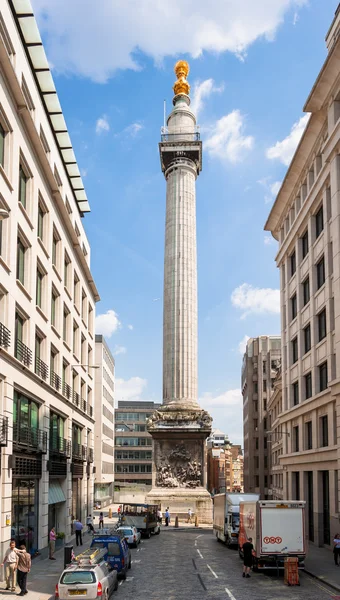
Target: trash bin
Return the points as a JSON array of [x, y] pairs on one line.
[[68, 552]]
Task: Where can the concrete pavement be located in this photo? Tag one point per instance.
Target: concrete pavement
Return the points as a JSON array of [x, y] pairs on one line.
[[320, 564]]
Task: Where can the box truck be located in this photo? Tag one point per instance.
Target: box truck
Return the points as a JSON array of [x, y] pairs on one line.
[[277, 529], [227, 516]]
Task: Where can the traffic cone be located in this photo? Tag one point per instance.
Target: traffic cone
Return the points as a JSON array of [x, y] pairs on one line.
[[176, 521]]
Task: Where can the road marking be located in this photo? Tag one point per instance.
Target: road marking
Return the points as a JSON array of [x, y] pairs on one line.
[[136, 561], [129, 578], [197, 536], [231, 596], [213, 572], [195, 542], [199, 553], [120, 583]]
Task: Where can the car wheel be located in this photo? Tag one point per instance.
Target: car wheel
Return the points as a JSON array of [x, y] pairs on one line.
[[148, 534], [129, 567], [116, 585], [124, 575]]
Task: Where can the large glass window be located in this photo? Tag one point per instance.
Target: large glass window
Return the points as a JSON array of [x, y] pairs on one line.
[[25, 503], [57, 429], [307, 338], [304, 243], [306, 291], [295, 393], [292, 263], [308, 385], [323, 377], [309, 435], [324, 431], [293, 306], [320, 273], [294, 350], [322, 328]]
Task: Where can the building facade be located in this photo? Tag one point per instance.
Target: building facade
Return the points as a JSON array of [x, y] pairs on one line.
[[305, 220], [47, 301], [133, 444], [237, 472], [275, 442], [260, 364], [104, 423]]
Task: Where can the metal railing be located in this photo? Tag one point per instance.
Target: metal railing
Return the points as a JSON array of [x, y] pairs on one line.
[[181, 136], [59, 445], [67, 390], [23, 353], [30, 437], [79, 452], [76, 399], [90, 455], [83, 405], [55, 380], [89, 410], [3, 431], [5, 336], [41, 368]]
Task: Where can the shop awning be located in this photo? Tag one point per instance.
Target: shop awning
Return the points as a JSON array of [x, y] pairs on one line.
[[55, 493]]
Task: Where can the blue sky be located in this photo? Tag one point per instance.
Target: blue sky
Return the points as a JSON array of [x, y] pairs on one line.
[[252, 67]]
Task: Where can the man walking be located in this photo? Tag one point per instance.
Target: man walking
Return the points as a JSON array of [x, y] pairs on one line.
[[10, 561], [189, 515], [167, 517], [24, 567], [51, 543], [78, 527], [247, 549]]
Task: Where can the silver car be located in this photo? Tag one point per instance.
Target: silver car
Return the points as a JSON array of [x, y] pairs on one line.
[[87, 581], [131, 534]]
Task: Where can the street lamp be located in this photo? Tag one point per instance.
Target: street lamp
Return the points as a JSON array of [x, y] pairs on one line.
[[4, 214]]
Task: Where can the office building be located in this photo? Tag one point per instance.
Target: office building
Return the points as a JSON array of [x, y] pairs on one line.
[[47, 300], [260, 364], [305, 220]]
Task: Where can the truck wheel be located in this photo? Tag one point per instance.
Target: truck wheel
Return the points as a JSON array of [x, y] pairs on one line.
[[148, 534]]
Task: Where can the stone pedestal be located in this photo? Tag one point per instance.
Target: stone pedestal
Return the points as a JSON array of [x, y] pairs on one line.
[[179, 461]]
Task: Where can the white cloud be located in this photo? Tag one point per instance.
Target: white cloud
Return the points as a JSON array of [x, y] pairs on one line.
[[130, 389], [285, 149], [109, 35], [119, 350], [272, 188], [133, 129], [252, 300], [268, 240], [243, 344], [108, 323], [102, 124], [226, 140], [130, 327], [227, 413], [202, 90]]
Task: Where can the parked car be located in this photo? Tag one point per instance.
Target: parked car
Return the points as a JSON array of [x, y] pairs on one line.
[[131, 535], [118, 553], [90, 578]]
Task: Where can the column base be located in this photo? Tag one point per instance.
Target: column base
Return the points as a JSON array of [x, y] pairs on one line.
[[180, 500]]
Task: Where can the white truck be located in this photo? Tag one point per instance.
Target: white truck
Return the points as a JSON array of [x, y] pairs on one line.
[[227, 516], [277, 529]]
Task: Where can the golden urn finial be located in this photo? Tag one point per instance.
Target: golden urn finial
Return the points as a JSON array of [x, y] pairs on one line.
[[182, 70]]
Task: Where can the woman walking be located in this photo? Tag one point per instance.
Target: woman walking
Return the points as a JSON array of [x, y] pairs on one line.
[[336, 549], [101, 521]]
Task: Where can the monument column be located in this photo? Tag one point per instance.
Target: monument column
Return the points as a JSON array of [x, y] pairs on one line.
[[180, 427]]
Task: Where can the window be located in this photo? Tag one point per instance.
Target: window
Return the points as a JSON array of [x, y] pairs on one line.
[[292, 263], [294, 350], [21, 261], [22, 186], [322, 328], [67, 263], [65, 324], [41, 215], [76, 289], [293, 302], [83, 305], [90, 319], [304, 244], [55, 248], [83, 350], [307, 339], [75, 338], [2, 145], [324, 431], [308, 385], [323, 378], [309, 436], [306, 291], [256, 443], [296, 439], [54, 299], [264, 385], [320, 273], [295, 393], [319, 222], [39, 286]]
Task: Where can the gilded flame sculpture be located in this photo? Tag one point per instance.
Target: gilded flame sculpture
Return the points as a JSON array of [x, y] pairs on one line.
[[182, 71]]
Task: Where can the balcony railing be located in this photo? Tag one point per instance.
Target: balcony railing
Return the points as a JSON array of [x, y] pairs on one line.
[[90, 455], [59, 445], [55, 380], [5, 336], [79, 452], [76, 399], [23, 353], [83, 405], [41, 368], [3, 431], [67, 390], [30, 437], [180, 136], [89, 410]]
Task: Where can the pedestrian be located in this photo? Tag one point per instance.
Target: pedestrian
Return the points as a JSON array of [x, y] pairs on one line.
[[189, 515], [167, 517], [78, 526], [51, 543], [336, 549], [24, 567], [11, 562], [247, 549], [101, 520], [89, 523], [159, 516]]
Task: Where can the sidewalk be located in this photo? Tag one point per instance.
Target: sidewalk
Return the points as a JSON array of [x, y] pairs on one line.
[[45, 573], [320, 564]]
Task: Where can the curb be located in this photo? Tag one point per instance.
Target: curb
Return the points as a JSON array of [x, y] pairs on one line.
[[323, 580]]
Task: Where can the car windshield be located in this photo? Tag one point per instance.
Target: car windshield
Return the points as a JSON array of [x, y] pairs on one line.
[[78, 577], [127, 531]]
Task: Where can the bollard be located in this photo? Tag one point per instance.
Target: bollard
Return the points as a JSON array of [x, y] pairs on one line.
[[176, 521], [196, 521], [110, 513]]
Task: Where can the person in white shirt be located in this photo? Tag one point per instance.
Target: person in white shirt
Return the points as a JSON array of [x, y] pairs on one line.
[[89, 523], [189, 515], [159, 516], [11, 563]]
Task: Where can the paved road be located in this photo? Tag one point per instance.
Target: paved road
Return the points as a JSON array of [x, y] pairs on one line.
[[192, 565]]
